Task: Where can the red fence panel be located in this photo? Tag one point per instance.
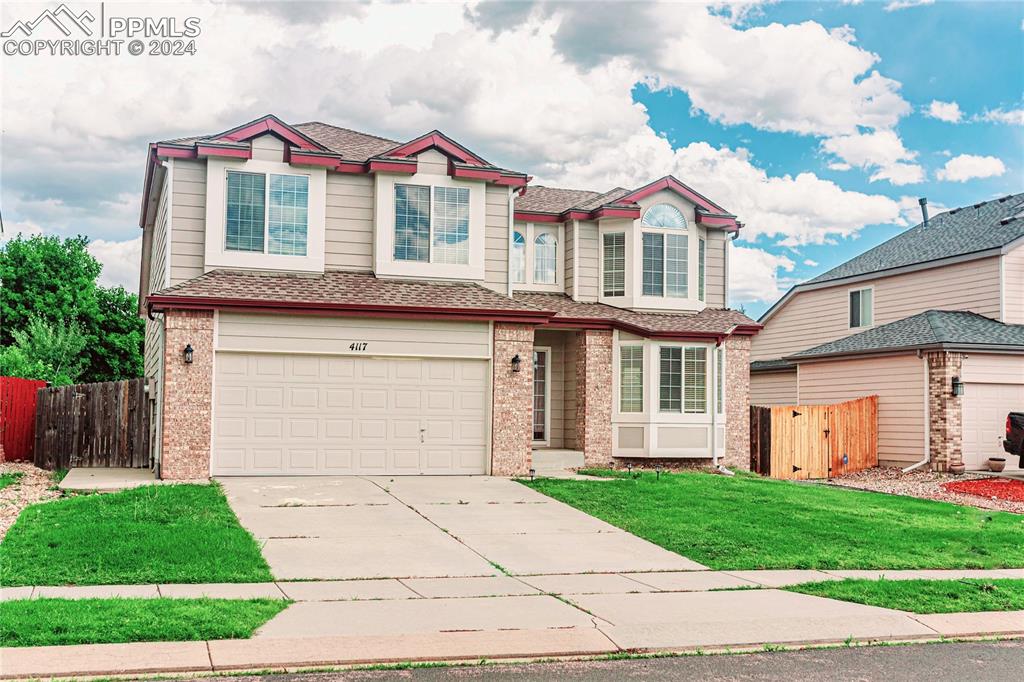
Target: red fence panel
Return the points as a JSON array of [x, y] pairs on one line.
[[18, 417]]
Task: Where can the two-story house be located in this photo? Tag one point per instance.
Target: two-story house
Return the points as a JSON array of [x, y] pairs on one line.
[[931, 321], [323, 301]]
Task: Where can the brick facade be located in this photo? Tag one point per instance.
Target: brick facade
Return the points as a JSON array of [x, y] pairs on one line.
[[512, 417], [187, 395], [737, 402], [945, 410], [593, 355]]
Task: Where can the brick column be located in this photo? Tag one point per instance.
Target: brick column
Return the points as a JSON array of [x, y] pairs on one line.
[[512, 413], [945, 410], [737, 402], [187, 395], [594, 396]]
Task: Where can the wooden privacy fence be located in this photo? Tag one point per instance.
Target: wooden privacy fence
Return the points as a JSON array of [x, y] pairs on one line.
[[814, 441], [93, 425], [17, 417]]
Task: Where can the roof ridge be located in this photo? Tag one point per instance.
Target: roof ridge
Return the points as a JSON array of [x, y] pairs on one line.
[[350, 130]]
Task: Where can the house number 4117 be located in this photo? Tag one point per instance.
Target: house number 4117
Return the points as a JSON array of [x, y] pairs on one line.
[[357, 346]]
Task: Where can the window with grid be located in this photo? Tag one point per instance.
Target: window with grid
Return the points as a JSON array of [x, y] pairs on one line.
[[615, 264], [654, 264], [861, 312], [451, 225], [518, 265], [412, 223], [695, 370], [545, 258], [670, 386], [288, 214], [246, 204], [720, 380], [702, 254], [676, 255], [631, 379]]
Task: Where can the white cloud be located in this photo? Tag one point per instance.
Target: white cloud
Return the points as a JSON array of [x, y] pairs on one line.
[[810, 263], [895, 5], [1007, 116], [120, 260], [881, 152], [839, 166], [944, 111], [754, 275], [969, 166]]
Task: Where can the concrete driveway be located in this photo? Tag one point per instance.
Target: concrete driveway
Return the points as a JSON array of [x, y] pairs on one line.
[[430, 527]]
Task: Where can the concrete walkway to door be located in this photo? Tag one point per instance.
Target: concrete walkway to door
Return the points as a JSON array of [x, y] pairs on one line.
[[430, 527]]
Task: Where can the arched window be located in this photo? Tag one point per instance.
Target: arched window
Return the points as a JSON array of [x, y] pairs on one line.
[[545, 252], [663, 215], [518, 272]]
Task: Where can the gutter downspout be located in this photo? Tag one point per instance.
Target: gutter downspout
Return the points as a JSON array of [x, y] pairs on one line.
[[718, 467], [927, 421], [511, 241]]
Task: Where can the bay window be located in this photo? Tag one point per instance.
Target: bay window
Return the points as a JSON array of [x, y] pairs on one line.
[[665, 264], [683, 379], [631, 379]]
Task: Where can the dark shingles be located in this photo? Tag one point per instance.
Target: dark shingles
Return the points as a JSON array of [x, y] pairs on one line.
[[949, 328], [552, 199], [957, 232], [351, 144], [770, 365]]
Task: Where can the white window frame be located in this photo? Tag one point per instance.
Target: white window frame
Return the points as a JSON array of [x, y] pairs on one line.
[[708, 359], [643, 377], [530, 231], [384, 228], [849, 295], [719, 380], [625, 260], [552, 242], [431, 225], [547, 396], [521, 233], [702, 269], [665, 233], [217, 255]]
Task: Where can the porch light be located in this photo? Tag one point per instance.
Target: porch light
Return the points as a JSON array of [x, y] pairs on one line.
[[187, 353], [958, 386], [533, 472], [516, 362]]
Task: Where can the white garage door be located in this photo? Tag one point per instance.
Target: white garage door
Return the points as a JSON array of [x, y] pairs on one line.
[[312, 414], [984, 421]]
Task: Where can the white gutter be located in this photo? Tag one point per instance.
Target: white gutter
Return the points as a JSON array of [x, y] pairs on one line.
[[511, 240], [927, 421]]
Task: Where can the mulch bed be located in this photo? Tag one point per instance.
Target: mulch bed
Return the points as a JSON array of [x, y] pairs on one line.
[[992, 488], [35, 485], [929, 485]]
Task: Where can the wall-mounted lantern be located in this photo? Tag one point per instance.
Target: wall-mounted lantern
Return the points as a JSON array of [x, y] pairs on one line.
[[958, 386], [517, 362], [187, 353]]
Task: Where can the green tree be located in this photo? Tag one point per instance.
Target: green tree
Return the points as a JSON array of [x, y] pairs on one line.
[[54, 280], [51, 351]]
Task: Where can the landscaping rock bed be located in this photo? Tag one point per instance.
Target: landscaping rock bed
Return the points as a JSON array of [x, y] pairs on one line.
[[928, 485], [34, 485]]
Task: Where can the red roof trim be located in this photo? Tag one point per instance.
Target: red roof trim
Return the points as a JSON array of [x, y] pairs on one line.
[[533, 217], [513, 180], [473, 173], [576, 214], [174, 152], [351, 167], [437, 140], [270, 124], [312, 159], [206, 149], [380, 165], [670, 183], [615, 212]]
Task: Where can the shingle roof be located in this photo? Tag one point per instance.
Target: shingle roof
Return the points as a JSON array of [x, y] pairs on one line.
[[352, 145], [340, 289], [552, 199], [983, 226], [769, 365], [932, 328], [707, 321]]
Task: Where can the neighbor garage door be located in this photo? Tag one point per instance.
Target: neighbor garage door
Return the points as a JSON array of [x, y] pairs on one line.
[[321, 414], [984, 421]]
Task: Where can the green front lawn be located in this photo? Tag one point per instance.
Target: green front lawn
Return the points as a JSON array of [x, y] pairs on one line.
[[152, 534], [45, 622], [748, 522], [924, 596]]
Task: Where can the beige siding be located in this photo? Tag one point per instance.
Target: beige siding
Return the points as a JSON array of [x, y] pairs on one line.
[[188, 220], [496, 235], [568, 255], [993, 369], [817, 316], [588, 261], [773, 388], [301, 334], [899, 383], [714, 275], [1013, 286], [157, 281], [267, 148], [432, 161], [349, 222]]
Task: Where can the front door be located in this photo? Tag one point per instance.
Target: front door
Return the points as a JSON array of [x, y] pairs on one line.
[[541, 377]]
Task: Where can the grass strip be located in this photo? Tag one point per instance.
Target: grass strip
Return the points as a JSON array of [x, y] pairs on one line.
[[924, 596]]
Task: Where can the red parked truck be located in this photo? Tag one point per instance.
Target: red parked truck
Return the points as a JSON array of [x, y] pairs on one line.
[[1014, 443]]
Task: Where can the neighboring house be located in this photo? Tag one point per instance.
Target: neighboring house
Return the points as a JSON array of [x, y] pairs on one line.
[[323, 301], [940, 302]]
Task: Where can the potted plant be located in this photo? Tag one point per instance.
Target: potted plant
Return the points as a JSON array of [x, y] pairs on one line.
[[957, 468], [996, 464]]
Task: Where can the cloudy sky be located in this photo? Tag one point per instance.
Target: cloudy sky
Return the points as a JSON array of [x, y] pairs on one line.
[[818, 123]]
